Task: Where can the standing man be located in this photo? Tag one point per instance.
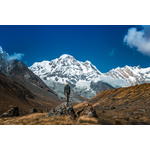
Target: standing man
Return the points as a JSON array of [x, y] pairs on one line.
[[67, 91]]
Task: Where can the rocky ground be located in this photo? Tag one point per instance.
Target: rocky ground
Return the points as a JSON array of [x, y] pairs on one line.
[[63, 114]]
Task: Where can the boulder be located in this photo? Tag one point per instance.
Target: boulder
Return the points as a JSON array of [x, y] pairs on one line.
[[88, 110], [103, 111], [33, 110], [14, 111], [126, 102], [112, 107], [62, 109], [142, 109], [138, 113], [138, 101], [50, 113], [131, 113], [79, 111]]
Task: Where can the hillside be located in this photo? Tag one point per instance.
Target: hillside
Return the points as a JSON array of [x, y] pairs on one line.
[[14, 94], [19, 72], [128, 105], [123, 106]]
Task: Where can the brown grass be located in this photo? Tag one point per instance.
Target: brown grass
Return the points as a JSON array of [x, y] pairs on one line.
[[86, 120], [40, 119], [134, 99], [37, 119]]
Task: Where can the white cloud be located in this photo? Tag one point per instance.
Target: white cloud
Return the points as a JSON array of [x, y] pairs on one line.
[[8, 57], [139, 39], [17, 56]]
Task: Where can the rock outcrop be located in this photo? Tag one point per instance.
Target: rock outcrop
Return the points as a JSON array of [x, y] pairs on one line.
[[11, 112], [62, 109], [87, 110], [33, 110]]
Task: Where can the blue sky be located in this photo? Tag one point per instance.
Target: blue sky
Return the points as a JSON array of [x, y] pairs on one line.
[[104, 45]]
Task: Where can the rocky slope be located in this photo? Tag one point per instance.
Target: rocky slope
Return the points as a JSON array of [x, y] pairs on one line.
[[19, 72], [13, 94]]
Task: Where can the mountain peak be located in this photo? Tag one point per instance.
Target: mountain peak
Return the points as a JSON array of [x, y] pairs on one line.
[[127, 66], [88, 62], [1, 50], [64, 56], [139, 67]]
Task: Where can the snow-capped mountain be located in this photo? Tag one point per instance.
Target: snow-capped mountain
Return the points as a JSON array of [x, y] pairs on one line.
[[80, 75], [85, 79], [133, 75]]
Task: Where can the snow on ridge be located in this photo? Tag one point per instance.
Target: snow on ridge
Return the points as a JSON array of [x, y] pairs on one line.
[[1, 50], [65, 56], [67, 61], [4, 53]]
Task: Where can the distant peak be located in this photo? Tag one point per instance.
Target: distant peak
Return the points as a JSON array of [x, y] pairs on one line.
[[1, 50], [66, 56], [118, 68], [88, 62], [139, 67], [126, 66]]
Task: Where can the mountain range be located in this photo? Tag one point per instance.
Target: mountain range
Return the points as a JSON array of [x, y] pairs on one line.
[[84, 78], [48, 78], [133, 75]]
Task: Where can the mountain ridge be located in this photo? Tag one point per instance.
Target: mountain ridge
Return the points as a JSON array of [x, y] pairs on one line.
[[19, 73], [133, 75]]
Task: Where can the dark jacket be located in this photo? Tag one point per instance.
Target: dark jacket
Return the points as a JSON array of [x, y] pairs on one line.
[[67, 89]]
